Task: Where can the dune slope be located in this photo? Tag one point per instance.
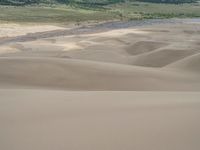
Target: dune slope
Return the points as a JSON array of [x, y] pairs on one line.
[[49, 120], [86, 75], [138, 59]]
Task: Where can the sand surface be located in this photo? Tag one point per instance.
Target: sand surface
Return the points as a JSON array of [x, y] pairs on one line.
[[166, 56], [49, 120], [49, 78], [13, 30]]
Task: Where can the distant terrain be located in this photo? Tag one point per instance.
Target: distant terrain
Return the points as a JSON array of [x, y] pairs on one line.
[[87, 2], [78, 11]]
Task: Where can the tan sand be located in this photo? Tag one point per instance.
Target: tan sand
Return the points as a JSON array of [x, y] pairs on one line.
[[43, 106], [190, 64], [151, 58], [12, 30], [49, 120], [87, 75]]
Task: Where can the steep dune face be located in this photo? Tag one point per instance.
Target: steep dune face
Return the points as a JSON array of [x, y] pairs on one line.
[[162, 58], [144, 47], [190, 64]]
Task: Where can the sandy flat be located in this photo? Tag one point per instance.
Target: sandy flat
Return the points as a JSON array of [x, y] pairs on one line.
[[12, 30]]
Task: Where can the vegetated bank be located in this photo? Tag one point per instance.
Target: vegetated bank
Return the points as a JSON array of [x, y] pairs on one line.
[[65, 11]]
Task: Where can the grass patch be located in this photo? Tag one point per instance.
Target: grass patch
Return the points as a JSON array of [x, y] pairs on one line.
[[79, 13], [154, 10], [55, 14]]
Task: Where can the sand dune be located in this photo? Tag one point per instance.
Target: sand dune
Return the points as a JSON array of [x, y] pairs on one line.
[[123, 59], [162, 57], [190, 64], [191, 32], [144, 46], [87, 75], [49, 82], [49, 120]]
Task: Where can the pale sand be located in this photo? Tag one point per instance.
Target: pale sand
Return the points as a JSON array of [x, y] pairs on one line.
[[38, 111], [69, 74], [12, 30], [49, 120], [151, 58]]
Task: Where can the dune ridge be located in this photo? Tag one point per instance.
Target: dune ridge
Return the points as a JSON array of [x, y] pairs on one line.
[[137, 59], [190, 64], [87, 75]]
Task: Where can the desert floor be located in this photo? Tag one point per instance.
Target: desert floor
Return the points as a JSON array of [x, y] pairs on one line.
[[55, 88]]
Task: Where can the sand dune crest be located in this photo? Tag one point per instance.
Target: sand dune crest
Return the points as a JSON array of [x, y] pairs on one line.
[[144, 46]]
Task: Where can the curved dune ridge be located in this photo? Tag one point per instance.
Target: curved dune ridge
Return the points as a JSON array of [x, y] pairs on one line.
[[87, 75], [162, 57], [142, 59], [144, 47], [190, 64]]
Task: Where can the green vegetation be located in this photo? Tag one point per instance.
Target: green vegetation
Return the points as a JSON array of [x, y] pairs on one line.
[[86, 2], [83, 2], [170, 1], [55, 14], [142, 10], [56, 11]]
